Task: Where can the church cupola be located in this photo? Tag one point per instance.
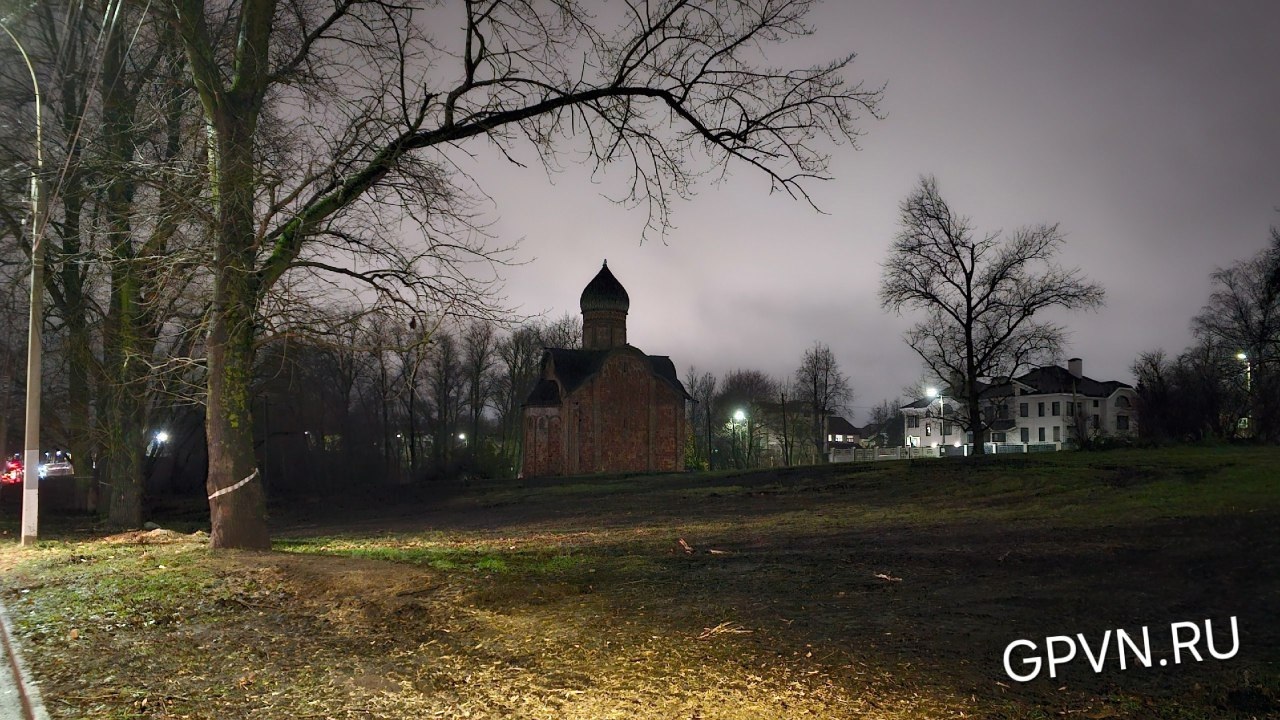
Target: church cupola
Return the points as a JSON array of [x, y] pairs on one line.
[[604, 304]]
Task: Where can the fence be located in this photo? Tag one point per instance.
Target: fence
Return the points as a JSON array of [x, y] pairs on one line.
[[906, 453]]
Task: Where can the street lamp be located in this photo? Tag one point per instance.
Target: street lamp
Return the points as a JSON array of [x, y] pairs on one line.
[[1248, 387], [31, 481], [738, 417], [942, 410]]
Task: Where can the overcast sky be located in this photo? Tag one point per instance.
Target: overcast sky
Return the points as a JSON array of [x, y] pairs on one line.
[[1149, 130]]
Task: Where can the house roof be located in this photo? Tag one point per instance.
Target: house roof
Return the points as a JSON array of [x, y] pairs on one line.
[[1053, 379], [575, 367], [1047, 380], [837, 425]]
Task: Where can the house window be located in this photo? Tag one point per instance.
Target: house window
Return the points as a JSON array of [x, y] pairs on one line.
[[1057, 409], [1095, 403], [1093, 422], [839, 438], [1041, 434], [1122, 401], [928, 428], [1026, 435], [1057, 433], [913, 421], [1071, 408], [1040, 410], [1122, 422], [997, 437], [1024, 409], [947, 428]]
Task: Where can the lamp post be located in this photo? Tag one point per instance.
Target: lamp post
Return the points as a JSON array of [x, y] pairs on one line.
[[1248, 386], [738, 417], [31, 441], [942, 413]]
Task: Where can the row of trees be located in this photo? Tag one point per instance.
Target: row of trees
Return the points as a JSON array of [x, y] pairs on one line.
[[386, 400], [1226, 385], [217, 172], [749, 419], [981, 295]]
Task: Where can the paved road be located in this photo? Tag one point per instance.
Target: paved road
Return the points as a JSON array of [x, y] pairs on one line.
[[11, 706], [10, 700]]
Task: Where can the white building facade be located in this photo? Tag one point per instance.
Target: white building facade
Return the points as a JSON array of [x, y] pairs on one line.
[[1048, 406]]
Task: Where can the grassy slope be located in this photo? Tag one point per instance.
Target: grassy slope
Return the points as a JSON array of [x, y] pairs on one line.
[[575, 598]]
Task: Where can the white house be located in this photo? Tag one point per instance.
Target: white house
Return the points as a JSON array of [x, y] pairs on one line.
[[1048, 405]]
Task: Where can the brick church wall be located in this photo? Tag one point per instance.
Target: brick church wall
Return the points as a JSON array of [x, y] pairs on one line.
[[630, 420]]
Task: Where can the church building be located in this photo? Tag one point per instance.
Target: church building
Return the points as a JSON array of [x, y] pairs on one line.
[[608, 407]]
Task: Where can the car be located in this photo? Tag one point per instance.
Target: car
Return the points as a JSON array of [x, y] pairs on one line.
[[12, 474], [57, 466]]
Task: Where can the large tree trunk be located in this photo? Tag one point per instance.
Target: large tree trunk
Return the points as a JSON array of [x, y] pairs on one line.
[[975, 418], [124, 375], [237, 503]]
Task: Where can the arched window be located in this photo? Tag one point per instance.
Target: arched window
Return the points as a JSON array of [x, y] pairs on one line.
[[1122, 401]]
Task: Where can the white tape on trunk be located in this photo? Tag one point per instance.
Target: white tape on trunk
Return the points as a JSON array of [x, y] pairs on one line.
[[237, 486]]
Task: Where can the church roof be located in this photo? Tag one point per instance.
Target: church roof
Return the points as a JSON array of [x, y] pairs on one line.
[[604, 292], [575, 367]]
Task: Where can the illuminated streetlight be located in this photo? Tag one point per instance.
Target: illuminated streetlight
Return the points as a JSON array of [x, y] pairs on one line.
[[1248, 387], [738, 417], [31, 482], [162, 437], [942, 410]]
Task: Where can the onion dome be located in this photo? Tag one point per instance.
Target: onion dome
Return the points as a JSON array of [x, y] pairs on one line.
[[604, 292]]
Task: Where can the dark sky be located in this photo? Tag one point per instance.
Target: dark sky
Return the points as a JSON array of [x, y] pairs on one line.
[[1149, 130]]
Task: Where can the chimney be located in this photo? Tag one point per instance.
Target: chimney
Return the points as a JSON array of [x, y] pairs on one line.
[[1075, 366]]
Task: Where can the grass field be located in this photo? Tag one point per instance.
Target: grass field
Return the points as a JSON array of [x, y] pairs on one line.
[[861, 591]]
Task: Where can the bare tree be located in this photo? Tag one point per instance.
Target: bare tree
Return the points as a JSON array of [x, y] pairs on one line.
[[825, 388], [563, 332], [980, 296], [740, 410], [786, 420], [887, 416], [702, 387], [518, 356], [478, 359], [1243, 312], [448, 390], [677, 79]]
